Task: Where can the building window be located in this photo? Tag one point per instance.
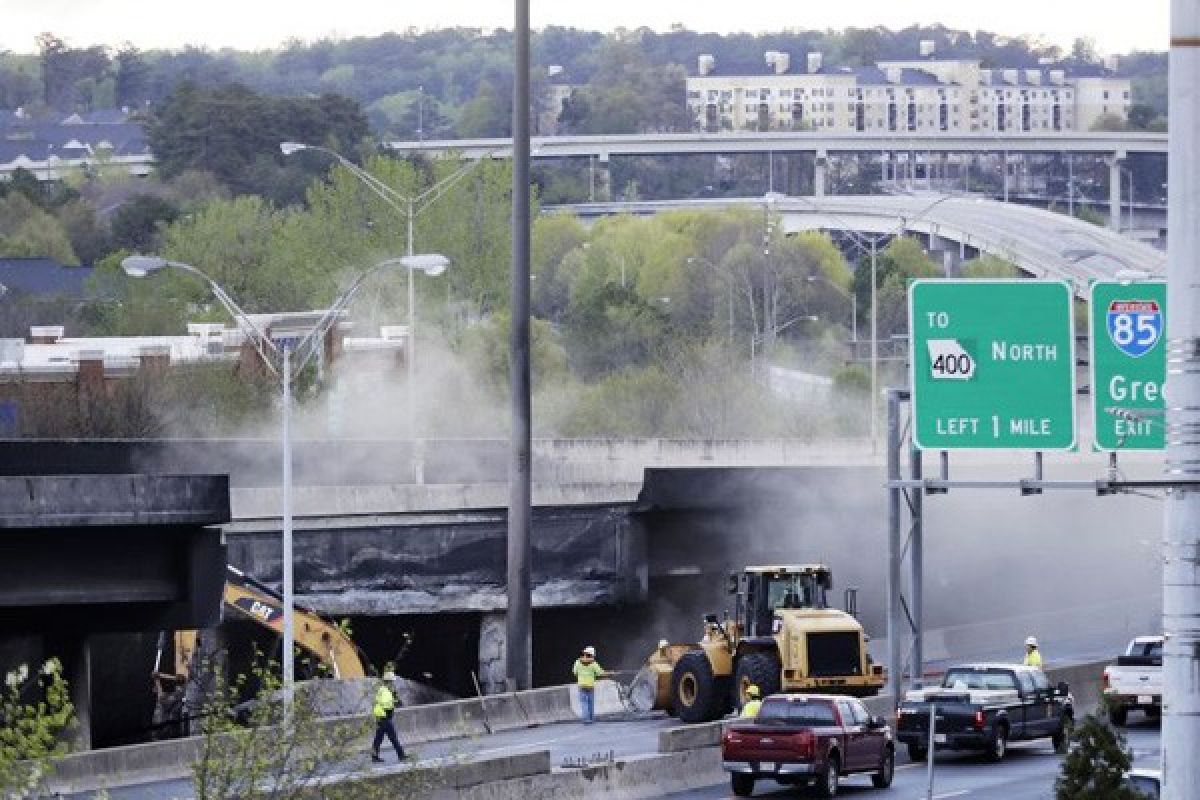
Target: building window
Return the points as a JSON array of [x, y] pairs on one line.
[[1106, 94]]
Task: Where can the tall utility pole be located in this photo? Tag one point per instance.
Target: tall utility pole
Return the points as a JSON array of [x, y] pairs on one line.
[[519, 617], [1181, 536]]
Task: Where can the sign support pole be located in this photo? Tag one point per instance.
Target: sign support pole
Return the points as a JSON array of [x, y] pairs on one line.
[[917, 566], [895, 618], [1181, 534]]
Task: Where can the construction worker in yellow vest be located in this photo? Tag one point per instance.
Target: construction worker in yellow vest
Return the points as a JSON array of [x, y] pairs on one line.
[[753, 702], [1033, 658], [384, 708], [587, 671]]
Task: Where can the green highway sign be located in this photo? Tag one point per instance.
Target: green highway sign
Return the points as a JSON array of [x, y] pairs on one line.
[[1129, 363], [992, 364]]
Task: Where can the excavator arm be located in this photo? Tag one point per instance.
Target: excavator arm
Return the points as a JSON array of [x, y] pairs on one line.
[[246, 598]]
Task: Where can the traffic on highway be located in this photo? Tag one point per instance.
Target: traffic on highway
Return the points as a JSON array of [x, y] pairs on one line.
[[1028, 773]]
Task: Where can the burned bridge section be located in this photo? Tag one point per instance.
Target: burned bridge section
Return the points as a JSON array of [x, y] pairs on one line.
[[111, 553], [449, 561]]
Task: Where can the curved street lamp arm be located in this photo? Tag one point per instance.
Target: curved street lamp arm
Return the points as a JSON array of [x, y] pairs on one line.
[[433, 193], [261, 340], [308, 345]]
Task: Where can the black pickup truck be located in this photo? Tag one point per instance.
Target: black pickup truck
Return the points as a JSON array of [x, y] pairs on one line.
[[984, 707]]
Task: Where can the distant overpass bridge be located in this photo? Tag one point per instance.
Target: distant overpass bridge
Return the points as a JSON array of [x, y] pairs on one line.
[[1041, 243], [605, 146], [1114, 147]]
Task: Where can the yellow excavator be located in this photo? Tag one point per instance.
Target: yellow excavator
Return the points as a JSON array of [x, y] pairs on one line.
[[783, 637], [323, 640]]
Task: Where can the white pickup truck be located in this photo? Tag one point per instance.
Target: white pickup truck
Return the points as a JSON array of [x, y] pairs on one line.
[[1134, 683]]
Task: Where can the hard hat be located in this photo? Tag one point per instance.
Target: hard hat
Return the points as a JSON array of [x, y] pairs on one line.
[[663, 644], [752, 691], [589, 651], [1031, 641], [389, 676]]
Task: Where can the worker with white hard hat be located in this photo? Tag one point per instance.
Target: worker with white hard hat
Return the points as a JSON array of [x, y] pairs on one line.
[[383, 709], [587, 671], [1033, 657]]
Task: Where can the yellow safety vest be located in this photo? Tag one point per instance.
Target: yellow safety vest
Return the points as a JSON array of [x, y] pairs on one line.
[[385, 702], [1033, 659], [587, 674], [751, 708]]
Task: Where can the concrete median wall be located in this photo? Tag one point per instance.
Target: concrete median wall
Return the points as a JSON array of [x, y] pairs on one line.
[[447, 780], [629, 779], [416, 725]]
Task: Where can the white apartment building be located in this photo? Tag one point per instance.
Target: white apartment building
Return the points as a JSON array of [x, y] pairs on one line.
[[925, 95]]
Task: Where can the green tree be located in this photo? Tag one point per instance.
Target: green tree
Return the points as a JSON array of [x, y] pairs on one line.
[[555, 237], [488, 113], [87, 234], [136, 224], [610, 328], [989, 266], [898, 263], [239, 243], [132, 76], [1089, 214], [1083, 50], [1141, 116], [631, 402], [28, 231], [227, 129], [25, 182], [1095, 768], [485, 346], [35, 710]]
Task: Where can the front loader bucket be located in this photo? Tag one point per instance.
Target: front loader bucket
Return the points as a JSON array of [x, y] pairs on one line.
[[651, 688]]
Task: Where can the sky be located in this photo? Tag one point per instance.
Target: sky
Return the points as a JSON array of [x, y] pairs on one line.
[[262, 24]]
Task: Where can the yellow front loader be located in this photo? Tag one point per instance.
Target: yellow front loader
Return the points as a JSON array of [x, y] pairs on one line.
[[783, 636]]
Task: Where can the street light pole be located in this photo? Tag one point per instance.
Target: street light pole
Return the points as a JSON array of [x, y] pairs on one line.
[[289, 619], [406, 205], [874, 349], [307, 347], [410, 365], [873, 242], [519, 614]]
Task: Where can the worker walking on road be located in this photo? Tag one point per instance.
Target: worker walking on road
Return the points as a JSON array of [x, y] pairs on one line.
[[1033, 658], [587, 671], [753, 702], [385, 707]]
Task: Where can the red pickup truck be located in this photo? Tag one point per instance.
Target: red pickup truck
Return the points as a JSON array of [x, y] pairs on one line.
[[808, 739]]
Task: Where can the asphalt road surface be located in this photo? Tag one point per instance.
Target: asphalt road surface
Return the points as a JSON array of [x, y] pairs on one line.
[[1027, 773], [565, 741]]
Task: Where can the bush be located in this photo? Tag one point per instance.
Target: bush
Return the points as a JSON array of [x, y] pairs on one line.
[[1096, 766], [34, 712], [249, 748]]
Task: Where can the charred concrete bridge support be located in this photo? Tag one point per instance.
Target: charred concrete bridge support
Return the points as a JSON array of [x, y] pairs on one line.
[[86, 555], [416, 568]]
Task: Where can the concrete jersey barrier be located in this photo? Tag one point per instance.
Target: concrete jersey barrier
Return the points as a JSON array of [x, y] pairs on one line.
[[415, 724]]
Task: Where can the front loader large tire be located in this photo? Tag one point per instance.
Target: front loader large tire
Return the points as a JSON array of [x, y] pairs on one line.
[[694, 692], [761, 669]]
